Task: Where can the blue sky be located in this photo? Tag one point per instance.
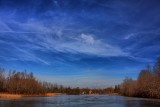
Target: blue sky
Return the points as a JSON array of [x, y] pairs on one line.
[[85, 43]]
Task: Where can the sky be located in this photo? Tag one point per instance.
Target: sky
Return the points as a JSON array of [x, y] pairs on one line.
[[79, 43]]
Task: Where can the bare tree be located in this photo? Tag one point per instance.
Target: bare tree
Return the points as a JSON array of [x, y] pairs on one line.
[[2, 79]]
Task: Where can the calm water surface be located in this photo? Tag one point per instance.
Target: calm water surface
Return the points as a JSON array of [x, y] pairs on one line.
[[80, 101]]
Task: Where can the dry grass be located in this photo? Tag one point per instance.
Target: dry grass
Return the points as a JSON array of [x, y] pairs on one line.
[[5, 95], [16, 96]]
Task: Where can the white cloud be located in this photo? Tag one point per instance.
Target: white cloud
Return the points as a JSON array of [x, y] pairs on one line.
[[85, 44], [53, 39], [4, 27], [28, 55], [129, 36], [21, 52], [56, 3], [87, 38]]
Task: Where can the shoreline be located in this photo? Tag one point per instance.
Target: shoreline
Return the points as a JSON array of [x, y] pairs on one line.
[[16, 96]]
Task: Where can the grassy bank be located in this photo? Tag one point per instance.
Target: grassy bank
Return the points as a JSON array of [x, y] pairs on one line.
[[15, 96]]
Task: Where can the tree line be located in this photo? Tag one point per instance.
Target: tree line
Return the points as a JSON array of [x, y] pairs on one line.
[[147, 84], [20, 83], [15, 82]]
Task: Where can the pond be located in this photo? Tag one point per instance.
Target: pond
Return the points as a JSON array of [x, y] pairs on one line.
[[80, 101]]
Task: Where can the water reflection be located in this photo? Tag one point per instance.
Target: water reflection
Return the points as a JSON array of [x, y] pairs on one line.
[[141, 102], [80, 101]]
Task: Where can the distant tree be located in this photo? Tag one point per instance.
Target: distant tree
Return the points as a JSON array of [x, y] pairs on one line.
[[129, 87], [109, 90], [157, 67], [2, 79], [156, 79], [23, 83], [117, 88], [144, 83]]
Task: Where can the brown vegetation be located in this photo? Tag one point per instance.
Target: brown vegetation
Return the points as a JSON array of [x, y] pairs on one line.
[[20, 84], [15, 96], [146, 85]]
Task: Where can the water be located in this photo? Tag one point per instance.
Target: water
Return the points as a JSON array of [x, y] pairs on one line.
[[80, 101]]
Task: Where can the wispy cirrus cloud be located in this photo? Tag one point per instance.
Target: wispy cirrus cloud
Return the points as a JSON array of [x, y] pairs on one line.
[[61, 37], [67, 37], [39, 37], [16, 52], [129, 36]]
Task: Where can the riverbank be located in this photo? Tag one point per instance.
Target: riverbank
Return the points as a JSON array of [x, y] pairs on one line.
[[15, 96]]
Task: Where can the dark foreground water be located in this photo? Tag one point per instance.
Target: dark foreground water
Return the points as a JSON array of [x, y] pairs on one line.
[[80, 101]]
